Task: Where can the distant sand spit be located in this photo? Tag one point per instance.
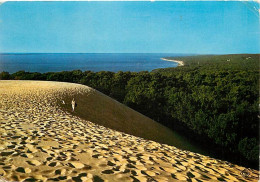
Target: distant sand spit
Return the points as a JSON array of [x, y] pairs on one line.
[[180, 63], [41, 142]]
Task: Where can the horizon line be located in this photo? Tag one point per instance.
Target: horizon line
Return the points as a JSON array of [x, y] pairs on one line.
[[121, 53], [93, 53]]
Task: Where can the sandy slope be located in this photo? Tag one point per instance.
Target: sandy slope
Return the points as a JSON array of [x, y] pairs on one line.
[[100, 109], [39, 141]]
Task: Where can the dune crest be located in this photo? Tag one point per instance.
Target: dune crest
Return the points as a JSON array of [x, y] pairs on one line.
[[39, 141]]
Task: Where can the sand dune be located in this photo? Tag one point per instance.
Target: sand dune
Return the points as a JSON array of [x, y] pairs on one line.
[[100, 109], [41, 142]]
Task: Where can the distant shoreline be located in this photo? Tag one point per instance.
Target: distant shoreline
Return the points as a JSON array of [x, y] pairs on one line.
[[113, 62], [180, 63]]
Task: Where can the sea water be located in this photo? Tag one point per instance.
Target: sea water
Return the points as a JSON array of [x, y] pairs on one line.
[[46, 62]]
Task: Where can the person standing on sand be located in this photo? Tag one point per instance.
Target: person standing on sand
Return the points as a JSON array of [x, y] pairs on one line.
[[73, 104]]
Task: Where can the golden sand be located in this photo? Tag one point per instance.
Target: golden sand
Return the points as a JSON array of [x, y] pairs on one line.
[[41, 142]]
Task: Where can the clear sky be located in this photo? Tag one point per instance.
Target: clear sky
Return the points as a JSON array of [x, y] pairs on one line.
[[130, 27]]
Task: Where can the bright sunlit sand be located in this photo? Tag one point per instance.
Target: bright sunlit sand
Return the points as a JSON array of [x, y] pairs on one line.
[[180, 63], [40, 141]]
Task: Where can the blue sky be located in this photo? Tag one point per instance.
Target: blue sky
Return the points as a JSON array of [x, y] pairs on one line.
[[130, 27]]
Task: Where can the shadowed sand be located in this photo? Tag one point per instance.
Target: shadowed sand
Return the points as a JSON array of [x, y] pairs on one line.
[[103, 110], [39, 141]]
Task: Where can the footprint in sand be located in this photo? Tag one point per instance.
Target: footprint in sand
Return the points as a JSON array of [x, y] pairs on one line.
[[41, 142], [34, 162]]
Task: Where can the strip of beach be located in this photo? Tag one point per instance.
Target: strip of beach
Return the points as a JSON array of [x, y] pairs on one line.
[[41, 142], [180, 63]]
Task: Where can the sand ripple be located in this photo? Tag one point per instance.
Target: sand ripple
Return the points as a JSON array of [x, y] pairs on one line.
[[40, 142]]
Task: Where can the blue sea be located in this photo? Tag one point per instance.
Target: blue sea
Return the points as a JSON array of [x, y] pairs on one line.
[[38, 62]]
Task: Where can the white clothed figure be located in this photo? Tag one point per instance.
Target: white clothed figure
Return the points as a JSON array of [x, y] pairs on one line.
[[73, 104]]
